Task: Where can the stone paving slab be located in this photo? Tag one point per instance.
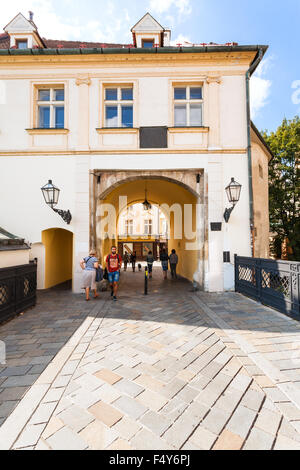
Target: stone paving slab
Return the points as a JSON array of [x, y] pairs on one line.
[[168, 371]]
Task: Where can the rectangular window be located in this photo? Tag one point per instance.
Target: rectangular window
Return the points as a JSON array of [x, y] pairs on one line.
[[148, 227], [118, 104], [50, 108], [129, 227], [22, 44], [148, 43], [188, 103]]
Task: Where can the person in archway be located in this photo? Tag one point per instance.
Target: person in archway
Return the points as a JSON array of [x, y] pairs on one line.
[[173, 258], [150, 261], [114, 263], [164, 258], [133, 260], [89, 266], [125, 259]]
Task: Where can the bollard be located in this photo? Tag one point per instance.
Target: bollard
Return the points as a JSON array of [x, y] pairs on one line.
[[146, 281]]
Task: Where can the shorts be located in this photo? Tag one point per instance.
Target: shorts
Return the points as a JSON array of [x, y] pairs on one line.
[[164, 265], [113, 277]]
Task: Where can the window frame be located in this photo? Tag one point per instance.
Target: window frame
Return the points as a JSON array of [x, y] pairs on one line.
[[18, 41], [119, 103], [129, 224], [52, 104], [149, 224], [148, 40], [187, 102]]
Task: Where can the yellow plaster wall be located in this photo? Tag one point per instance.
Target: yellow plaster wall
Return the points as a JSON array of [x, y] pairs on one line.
[[58, 256], [160, 192], [260, 201]]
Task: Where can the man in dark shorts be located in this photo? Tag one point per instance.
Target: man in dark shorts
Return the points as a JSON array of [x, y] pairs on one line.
[[150, 261], [113, 263]]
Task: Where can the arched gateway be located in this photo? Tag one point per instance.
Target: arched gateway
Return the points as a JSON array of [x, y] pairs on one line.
[[180, 195]]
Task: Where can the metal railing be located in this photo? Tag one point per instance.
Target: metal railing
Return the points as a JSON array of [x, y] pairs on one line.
[[274, 283], [17, 290]]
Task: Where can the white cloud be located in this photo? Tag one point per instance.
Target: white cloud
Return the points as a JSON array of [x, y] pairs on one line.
[[183, 40], [260, 92], [162, 6], [260, 87], [114, 26]]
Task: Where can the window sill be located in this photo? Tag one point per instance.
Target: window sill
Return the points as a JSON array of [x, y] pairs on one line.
[[42, 131], [117, 130], [202, 129]]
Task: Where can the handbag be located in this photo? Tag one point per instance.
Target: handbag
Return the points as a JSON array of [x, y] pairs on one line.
[[105, 275], [99, 274]]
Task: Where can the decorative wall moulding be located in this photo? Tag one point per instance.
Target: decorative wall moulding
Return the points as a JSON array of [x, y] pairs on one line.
[[210, 80], [83, 80]]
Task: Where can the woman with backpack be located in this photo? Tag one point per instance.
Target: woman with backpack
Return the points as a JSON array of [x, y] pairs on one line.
[[89, 265]]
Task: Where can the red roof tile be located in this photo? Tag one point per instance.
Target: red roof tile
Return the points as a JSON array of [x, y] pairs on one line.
[[55, 43]]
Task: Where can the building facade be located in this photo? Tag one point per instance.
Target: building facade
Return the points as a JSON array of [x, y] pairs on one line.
[[105, 122]]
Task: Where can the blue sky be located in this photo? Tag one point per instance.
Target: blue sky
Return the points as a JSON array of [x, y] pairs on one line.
[[275, 86]]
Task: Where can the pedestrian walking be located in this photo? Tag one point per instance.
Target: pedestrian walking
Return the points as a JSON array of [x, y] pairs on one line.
[[89, 266], [126, 259], [113, 263], [133, 260], [150, 261], [173, 258], [164, 258]]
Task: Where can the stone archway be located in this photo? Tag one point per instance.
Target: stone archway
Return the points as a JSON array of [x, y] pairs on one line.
[[58, 245], [185, 188]]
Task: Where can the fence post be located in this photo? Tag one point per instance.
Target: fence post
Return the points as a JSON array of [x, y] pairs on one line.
[[236, 273], [258, 278], [146, 281], [295, 283]]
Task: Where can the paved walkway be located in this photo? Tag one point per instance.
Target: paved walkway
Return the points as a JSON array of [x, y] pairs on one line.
[[174, 370]]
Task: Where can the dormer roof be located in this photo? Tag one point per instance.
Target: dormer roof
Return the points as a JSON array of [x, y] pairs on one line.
[[20, 25], [147, 24]]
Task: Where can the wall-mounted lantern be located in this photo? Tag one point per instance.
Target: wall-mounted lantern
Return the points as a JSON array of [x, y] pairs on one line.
[[233, 191], [51, 196]]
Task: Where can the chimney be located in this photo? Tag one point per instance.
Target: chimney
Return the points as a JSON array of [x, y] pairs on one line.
[[30, 15]]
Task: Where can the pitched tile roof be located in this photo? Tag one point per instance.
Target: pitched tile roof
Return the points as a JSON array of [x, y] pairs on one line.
[[55, 43], [4, 41]]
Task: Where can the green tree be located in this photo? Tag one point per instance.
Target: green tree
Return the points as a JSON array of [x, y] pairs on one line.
[[284, 184]]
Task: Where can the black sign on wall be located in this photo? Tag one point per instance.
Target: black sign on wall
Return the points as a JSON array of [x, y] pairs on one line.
[[153, 137], [216, 226]]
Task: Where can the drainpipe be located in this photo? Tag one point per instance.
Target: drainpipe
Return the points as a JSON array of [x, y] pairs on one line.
[[248, 76]]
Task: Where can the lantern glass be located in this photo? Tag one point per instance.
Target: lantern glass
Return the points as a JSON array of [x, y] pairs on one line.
[[233, 192], [51, 194]]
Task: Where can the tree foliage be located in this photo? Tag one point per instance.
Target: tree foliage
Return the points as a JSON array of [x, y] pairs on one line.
[[284, 184]]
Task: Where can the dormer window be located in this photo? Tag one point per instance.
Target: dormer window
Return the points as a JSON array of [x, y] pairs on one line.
[[22, 43], [148, 33], [148, 43]]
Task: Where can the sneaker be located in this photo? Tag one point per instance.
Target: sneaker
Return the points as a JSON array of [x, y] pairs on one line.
[[115, 298]]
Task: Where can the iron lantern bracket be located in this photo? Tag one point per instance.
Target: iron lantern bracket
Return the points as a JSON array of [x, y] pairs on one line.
[[227, 214], [65, 215]]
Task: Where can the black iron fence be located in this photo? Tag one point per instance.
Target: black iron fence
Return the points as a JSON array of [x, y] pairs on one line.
[[273, 282], [17, 290]]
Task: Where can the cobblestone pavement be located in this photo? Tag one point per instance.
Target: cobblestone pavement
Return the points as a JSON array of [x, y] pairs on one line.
[[174, 370]]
